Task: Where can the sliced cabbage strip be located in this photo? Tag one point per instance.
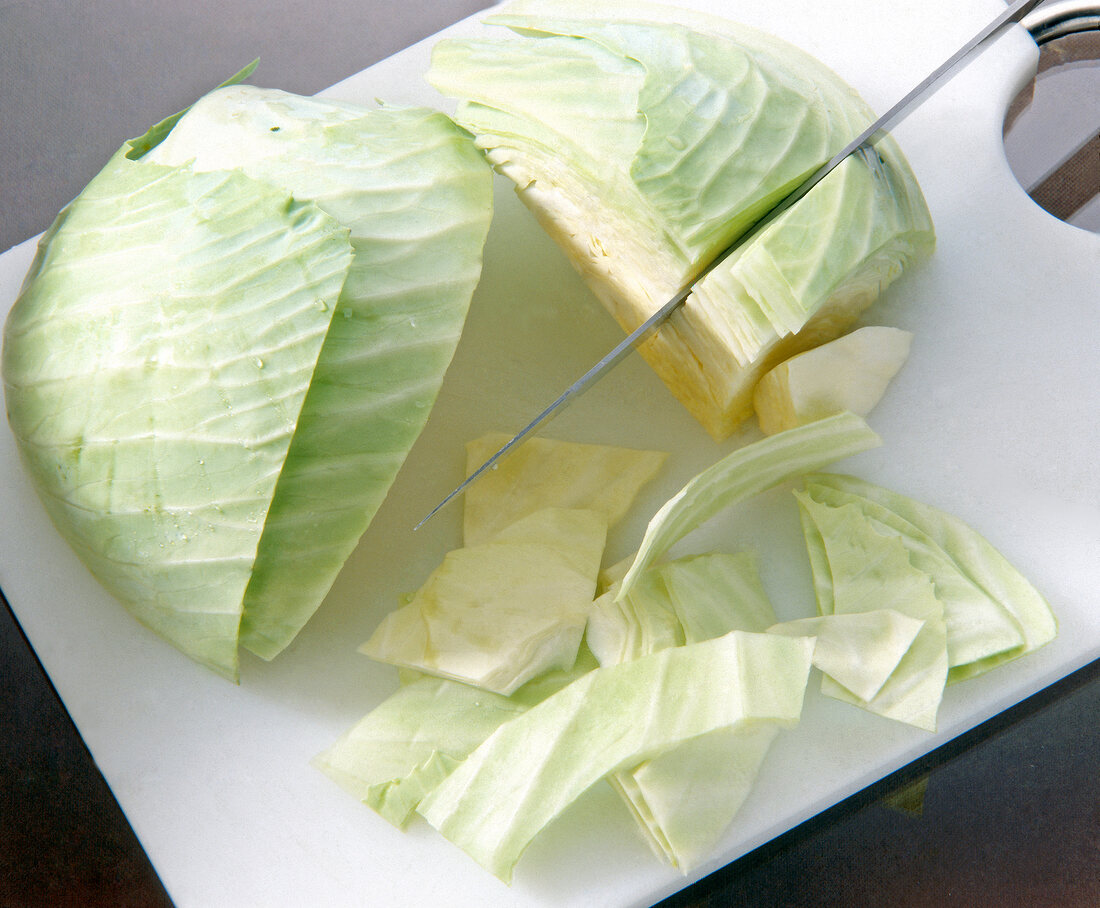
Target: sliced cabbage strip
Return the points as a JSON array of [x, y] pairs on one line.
[[993, 613], [413, 739], [685, 798], [744, 472], [531, 768]]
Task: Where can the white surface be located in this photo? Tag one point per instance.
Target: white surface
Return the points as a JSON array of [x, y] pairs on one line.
[[993, 418]]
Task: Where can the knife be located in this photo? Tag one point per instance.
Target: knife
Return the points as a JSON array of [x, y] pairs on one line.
[[866, 139]]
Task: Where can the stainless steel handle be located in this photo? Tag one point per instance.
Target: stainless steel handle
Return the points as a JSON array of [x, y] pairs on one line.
[[1056, 20]]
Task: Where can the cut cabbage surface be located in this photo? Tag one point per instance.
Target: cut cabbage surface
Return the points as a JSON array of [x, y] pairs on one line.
[[227, 345], [548, 472], [645, 139]]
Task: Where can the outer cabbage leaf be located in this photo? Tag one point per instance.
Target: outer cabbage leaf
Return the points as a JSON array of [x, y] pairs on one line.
[[417, 199], [155, 366], [179, 325]]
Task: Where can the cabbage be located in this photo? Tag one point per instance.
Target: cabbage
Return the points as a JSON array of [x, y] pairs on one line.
[[227, 344], [849, 373], [870, 572], [412, 740], [534, 766], [993, 614], [646, 139], [548, 472], [879, 557], [498, 613], [685, 798], [746, 471]]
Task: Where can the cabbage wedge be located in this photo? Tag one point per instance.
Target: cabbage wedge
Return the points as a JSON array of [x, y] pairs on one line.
[[227, 345], [645, 139]]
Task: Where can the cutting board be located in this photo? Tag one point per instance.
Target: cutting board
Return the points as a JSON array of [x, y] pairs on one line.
[[994, 419]]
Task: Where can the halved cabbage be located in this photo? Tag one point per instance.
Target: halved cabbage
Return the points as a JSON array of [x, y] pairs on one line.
[[227, 345], [645, 139]]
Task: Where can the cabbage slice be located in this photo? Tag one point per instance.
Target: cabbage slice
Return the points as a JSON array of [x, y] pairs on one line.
[[645, 139], [684, 799], [547, 472], [871, 572], [993, 613], [858, 650], [531, 768], [746, 471], [414, 738], [499, 613], [875, 552], [211, 388]]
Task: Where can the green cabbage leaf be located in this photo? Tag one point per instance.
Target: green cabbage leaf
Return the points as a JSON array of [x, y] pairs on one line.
[[614, 717], [744, 472]]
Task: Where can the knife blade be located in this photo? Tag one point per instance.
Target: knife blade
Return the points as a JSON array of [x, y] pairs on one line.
[[865, 140]]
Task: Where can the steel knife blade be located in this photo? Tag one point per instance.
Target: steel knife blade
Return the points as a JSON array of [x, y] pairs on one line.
[[866, 139]]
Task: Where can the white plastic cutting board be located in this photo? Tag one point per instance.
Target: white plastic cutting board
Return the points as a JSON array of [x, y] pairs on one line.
[[994, 419]]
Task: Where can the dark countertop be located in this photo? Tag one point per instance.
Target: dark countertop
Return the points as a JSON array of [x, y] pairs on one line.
[[1010, 813]]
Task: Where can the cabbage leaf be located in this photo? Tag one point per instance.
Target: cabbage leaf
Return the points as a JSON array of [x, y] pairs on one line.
[[685, 798], [993, 613], [551, 473], [412, 740], [499, 613], [744, 472], [531, 768]]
